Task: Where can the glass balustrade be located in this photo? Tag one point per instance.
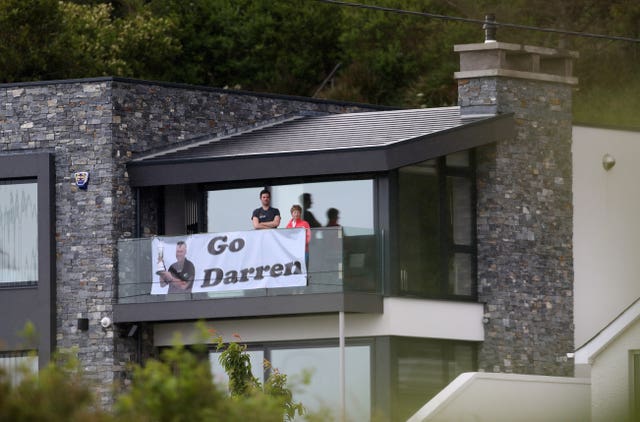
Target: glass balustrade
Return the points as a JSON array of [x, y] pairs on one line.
[[248, 263]]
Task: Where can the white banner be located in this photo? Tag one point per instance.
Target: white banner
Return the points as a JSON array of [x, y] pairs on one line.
[[216, 262]]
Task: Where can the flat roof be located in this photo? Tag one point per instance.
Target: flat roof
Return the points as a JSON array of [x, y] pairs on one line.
[[305, 145]]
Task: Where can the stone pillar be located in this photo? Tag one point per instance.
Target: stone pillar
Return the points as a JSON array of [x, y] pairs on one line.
[[524, 210]]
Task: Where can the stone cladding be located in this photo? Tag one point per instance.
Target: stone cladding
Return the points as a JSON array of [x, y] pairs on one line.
[[525, 227], [97, 125]]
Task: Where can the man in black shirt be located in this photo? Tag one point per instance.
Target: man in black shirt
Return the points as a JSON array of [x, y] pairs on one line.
[[181, 273], [265, 217]]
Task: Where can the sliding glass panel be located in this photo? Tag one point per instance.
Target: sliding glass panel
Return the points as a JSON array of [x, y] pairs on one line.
[[342, 249], [18, 232], [459, 193], [423, 367], [351, 200], [220, 377], [460, 273], [322, 393], [435, 225], [419, 229], [230, 210]]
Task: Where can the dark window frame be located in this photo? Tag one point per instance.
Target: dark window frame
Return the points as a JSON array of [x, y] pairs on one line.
[[447, 247], [36, 302], [384, 353], [634, 384]]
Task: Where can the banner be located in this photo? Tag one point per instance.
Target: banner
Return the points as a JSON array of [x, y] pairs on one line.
[[216, 262]]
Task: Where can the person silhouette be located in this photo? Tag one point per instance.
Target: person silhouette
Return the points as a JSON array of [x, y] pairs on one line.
[[306, 214], [333, 215]]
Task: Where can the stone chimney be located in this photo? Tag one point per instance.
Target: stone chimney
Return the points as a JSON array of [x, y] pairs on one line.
[[524, 214]]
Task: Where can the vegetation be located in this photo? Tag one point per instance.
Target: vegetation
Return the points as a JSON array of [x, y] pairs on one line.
[[291, 46], [177, 387]]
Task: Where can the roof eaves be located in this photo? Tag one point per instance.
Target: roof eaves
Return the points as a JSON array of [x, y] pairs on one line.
[[208, 139]]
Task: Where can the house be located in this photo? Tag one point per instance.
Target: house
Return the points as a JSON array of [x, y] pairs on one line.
[[605, 252], [605, 386], [454, 252]]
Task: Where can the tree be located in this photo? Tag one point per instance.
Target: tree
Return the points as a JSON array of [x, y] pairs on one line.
[[177, 387], [291, 46], [262, 45], [28, 40], [242, 382], [48, 39], [58, 393]]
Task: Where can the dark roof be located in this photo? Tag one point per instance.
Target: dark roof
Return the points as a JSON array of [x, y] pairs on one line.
[[320, 145]]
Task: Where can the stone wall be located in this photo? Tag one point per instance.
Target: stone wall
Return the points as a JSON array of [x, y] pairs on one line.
[[97, 125], [73, 120], [525, 264]]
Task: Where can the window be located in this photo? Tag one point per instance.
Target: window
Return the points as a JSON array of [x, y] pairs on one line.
[[345, 259], [16, 364], [322, 393], [18, 232], [322, 363], [220, 377], [436, 228], [27, 248], [230, 209], [423, 367], [634, 398]]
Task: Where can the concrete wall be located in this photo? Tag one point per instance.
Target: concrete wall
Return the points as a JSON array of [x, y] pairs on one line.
[[478, 397], [606, 230]]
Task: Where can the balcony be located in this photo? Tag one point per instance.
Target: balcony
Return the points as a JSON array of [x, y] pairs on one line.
[[342, 273]]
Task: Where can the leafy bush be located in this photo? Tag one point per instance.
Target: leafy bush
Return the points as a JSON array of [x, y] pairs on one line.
[[174, 388]]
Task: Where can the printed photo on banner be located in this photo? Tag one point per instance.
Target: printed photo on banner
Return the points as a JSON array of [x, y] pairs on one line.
[[215, 262]]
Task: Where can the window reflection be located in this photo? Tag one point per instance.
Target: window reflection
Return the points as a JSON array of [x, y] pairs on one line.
[[459, 190], [435, 226], [17, 364], [419, 229], [230, 209], [423, 367], [220, 377], [321, 394], [18, 232]]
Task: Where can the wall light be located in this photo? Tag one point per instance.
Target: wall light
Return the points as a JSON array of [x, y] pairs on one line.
[[608, 161], [105, 322]]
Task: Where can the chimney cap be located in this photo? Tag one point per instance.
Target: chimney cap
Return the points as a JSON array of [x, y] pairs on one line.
[[490, 28], [517, 49], [516, 61]]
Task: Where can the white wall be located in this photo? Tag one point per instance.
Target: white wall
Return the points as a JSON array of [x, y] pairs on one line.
[[478, 397], [610, 377], [606, 228]]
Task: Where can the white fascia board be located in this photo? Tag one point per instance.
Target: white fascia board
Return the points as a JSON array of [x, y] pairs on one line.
[[402, 317]]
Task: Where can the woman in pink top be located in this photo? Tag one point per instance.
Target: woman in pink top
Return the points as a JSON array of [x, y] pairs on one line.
[[298, 222]]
